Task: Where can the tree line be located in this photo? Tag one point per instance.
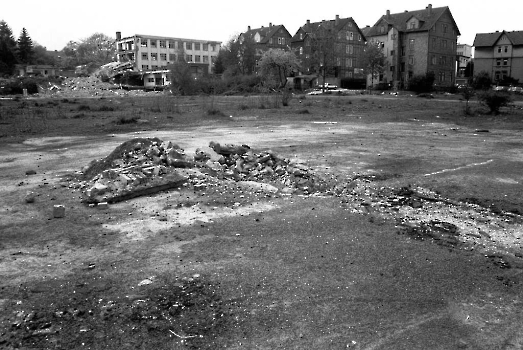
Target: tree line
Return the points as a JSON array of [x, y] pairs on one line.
[[95, 50]]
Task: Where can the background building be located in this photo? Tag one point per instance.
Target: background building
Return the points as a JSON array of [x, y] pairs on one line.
[[415, 43], [500, 54], [152, 53], [343, 38]]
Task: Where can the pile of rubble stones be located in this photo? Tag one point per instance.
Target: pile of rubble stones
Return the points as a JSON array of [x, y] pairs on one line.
[[144, 166]]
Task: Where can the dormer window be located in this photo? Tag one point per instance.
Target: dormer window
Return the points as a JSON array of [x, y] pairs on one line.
[[301, 36], [382, 29], [412, 25]]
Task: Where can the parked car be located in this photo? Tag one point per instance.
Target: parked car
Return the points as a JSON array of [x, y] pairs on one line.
[[500, 88], [516, 89]]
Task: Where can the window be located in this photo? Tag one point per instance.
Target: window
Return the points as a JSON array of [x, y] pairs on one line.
[[188, 46], [412, 25], [197, 46], [205, 59], [445, 28], [403, 49], [212, 47], [154, 67], [444, 60], [213, 59], [382, 29], [392, 68], [443, 44], [154, 56], [499, 49], [188, 58], [145, 56], [150, 80], [434, 43], [163, 43], [197, 58], [391, 53], [498, 62], [411, 60], [153, 43], [359, 37], [301, 50], [505, 61], [351, 36], [172, 57], [171, 44], [163, 56], [350, 74], [145, 66], [144, 43], [506, 48], [441, 76], [434, 60], [351, 49], [307, 56], [411, 44], [283, 41], [205, 47], [350, 24], [348, 62], [279, 41]]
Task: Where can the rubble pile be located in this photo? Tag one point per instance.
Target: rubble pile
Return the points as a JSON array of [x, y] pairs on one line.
[[87, 86], [144, 166]]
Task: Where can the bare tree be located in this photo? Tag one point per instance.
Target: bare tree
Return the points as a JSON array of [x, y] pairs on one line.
[[278, 64], [373, 59]]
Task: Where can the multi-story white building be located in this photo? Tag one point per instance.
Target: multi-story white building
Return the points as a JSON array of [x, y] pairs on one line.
[[151, 55], [464, 53]]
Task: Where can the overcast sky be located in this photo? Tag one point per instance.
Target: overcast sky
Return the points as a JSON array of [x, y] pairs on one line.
[[53, 23]]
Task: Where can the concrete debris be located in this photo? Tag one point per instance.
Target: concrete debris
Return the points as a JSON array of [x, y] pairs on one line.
[[145, 166], [58, 211]]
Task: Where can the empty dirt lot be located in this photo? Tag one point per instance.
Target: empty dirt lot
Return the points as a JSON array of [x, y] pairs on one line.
[[414, 243]]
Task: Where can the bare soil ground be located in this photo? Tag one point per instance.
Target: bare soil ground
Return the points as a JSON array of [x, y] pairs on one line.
[[416, 244]]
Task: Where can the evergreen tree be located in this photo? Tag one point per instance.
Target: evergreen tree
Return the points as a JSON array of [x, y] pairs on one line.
[[25, 47], [7, 49]]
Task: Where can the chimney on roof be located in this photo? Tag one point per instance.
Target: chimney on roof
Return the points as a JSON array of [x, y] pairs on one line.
[[308, 21], [429, 9], [270, 25], [118, 35], [248, 28], [337, 20], [388, 13]]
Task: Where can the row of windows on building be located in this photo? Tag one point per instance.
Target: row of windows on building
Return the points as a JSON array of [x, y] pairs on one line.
[[502, 49], [349, 49], [172, 57], [169, 44]]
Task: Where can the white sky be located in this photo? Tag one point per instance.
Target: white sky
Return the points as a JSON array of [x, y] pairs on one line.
[[53, 23]]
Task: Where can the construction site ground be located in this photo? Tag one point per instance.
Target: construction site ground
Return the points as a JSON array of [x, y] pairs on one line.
[[413, 243]]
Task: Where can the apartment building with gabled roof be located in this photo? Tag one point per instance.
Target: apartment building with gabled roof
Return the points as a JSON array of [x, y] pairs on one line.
[[415, 43], [500, 54], [347, 44]]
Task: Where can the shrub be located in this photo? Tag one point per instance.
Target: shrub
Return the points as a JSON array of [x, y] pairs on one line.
[[482, 81], [494, 100], [422, 83], [127, 120], [216, 112], [286, 97], [106, 109]]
